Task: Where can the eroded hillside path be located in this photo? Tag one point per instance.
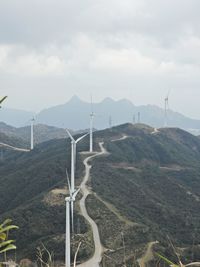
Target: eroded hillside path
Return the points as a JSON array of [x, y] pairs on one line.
[[96, 259]]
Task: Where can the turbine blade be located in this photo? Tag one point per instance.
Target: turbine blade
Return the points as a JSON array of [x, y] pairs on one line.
[[80, 138], [2, 99], [91, 104], [71, 137], [76, 193], [74, 159], [70, 191]]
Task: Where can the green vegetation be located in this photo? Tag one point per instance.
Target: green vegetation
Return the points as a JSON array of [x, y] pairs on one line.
[[146, 190], [12, 141], [5, 243], [32, 193], [42, 133], [152, 180]]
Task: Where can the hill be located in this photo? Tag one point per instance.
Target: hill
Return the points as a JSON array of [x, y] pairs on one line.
[[12, 141], [42, 132], [145, 190], [148, 189], [32, 193]]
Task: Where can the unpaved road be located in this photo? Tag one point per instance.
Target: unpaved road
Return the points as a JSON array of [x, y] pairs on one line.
[[96, 259], [14, 148], [148, 256], [121, 138]]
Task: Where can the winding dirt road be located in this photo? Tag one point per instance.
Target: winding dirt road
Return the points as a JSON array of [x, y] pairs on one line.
[[96, 259], [148, 256], [14, 148], [121, 138]]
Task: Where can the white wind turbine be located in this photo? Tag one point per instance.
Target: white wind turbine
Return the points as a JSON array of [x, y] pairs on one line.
[[139, 117], [133, 119], [32, 133], [73, 167], [166, 109], [91, 127], [69, 200]]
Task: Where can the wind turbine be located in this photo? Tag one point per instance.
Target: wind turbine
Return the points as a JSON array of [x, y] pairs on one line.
[[73, 167], [68, 200], [133, 119], [91, 127], [110, 121], [32, 132], [2, 99], [139, 116], [166, 108]]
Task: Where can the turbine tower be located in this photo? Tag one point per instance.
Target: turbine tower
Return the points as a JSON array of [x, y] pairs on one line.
[[68, 200], [110, 121], [133, 119], [73, 167], [32, 133], [91, 127], [139, 116], [67, 234], [166, 109]]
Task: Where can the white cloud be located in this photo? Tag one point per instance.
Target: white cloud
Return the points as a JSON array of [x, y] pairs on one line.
[[29, 63], [128, 61], [144, 46]]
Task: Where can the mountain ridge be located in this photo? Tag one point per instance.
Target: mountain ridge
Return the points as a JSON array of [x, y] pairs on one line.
[[119, 112]]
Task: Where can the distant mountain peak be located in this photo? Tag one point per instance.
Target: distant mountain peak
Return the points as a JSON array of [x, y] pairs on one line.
[[108, 100], [74, 99]]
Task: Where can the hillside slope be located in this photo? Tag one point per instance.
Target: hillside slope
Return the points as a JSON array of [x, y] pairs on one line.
[[42, 132], [147, 188], [13, 141], [32, 193]]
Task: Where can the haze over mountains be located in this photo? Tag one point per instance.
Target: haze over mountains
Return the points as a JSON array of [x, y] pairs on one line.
[[75, 115]]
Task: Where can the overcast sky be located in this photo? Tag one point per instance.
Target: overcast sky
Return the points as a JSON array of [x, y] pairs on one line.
[[135, 49]]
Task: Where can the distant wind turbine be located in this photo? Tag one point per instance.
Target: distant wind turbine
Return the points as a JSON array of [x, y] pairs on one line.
[[32, 133], [73, 167], [166, 109], [91, 126], [133, 119], [139, 117], [110, 121]]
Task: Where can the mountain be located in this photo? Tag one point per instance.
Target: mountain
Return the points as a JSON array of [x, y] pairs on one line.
[[146, 189], [75, 115], [15, 117], [42, 132]]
